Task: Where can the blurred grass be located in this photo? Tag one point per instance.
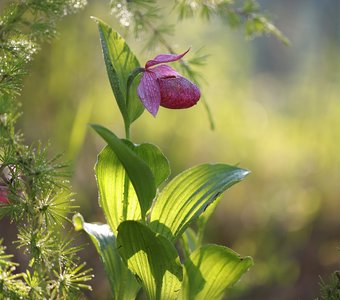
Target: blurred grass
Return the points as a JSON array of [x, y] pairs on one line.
[[277, 113]]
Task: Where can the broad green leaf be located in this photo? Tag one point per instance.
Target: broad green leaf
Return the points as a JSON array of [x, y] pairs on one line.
[[190, 241], [152, 258], [189, 194], [206, 215], [120, 62], [155, 159], [117, 195], [210, 270], [122, 282], [138, 171]]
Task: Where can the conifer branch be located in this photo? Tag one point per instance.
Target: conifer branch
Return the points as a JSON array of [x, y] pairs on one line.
[[34, 188]]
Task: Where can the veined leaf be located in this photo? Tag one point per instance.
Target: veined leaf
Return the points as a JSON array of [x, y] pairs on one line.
[[155, 159], [122, 282], [210, 270], [120, 62], [206, 215], [189, 194], [152, 258], [138, 171], [190, 241], [117, 194]]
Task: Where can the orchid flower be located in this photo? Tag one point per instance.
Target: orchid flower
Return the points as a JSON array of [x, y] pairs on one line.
[[163, 86], [3, 195]]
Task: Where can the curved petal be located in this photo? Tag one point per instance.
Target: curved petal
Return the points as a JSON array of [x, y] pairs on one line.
[[178, 92], [164, 71], [164, 58], [149, 93]]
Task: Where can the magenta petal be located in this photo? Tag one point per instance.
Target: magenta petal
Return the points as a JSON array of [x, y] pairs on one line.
[[164, 58], [178, 92], [149, 93], [3, 195], [164, 71]]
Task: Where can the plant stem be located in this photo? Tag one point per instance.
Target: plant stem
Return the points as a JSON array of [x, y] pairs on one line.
[[131, 77], [127, 130]]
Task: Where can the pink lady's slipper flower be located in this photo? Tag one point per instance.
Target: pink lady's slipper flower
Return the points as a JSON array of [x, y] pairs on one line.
[[163, 86], [3, 195]]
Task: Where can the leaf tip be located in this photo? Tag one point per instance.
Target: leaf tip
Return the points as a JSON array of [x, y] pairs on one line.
[[78, 222], [95, 19], [94, 126], [247, 261], [250, 260], [246, 172]]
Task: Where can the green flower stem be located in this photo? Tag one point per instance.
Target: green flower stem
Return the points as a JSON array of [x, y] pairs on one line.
[[130, 80], [127, 130]]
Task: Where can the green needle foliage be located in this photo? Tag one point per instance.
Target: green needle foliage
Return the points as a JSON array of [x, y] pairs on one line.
[[34, 187], [11, 285], [145, 17], [330, 289]]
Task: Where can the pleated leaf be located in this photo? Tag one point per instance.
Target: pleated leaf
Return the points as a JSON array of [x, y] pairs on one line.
[[120, 62], [117, 194], [210, 270], [155, 159], [189, 194], [140, 174], [206, 215], [152, 258], [190, 241], [122, 282], [117, 197]]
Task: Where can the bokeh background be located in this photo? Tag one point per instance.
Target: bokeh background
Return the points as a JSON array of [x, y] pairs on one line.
[[277, 113]]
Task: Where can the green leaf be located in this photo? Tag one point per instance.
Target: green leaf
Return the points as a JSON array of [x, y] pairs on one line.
[[155, 159], [210, 270], [117, 195], [189, 194], [120, 62], [206, 215], [139, 173], [190, 241], [152, 258], [122, 282]]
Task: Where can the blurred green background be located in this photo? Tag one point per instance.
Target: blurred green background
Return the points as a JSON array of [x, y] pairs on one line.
[[277, 113]]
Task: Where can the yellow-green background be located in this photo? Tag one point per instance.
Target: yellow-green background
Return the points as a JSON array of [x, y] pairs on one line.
[[277, 113]]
